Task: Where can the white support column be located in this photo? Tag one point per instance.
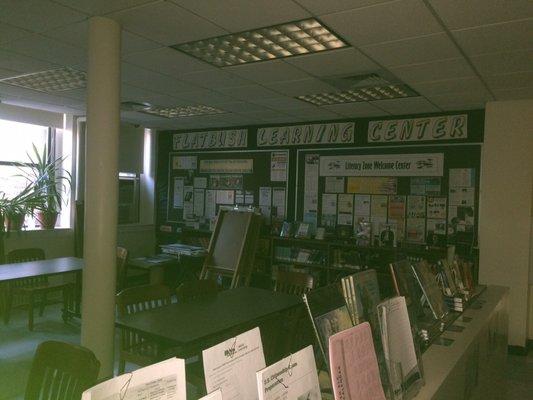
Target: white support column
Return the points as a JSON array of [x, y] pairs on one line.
[[101, 191]]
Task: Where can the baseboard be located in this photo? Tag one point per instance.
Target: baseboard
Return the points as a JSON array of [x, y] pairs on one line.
[[517, 350]]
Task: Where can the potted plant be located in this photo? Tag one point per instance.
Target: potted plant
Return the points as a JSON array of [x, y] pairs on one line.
[[50, 181]]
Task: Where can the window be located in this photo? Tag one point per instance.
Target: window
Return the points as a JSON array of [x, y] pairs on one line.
[[128, 198], [17, 140]]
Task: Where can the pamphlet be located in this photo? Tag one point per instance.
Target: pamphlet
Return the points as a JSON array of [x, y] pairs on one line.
[[216, 395], [162, 381], [354, 365], [294, 377], [231, 366]]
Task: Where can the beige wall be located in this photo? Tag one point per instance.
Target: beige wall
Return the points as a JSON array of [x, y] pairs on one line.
[[505, 206]]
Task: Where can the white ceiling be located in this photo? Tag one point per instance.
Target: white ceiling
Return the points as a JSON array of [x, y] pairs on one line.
[[457, 54]]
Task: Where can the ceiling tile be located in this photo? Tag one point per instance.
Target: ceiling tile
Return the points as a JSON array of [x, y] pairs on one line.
[[319, 7], [166, 23], [283, 103], [314, 114], [7, 73], [383, 22], [301, 87], [510, 81], [47, 49], [463, 106], [99, 7], [21, 63], [514, 94], [240, 15], [267, 71], [356, 110], [37, 15], [262, 115], [9, 33], [136, 94], [77, 35], [204, 96], [434, 71], [411, 105], [457, 14], [496, 38], [449, 86], [153, 81], [413, 51], [336, 62], [167, 61], [459, 100], [240, 107], [501, 63], [214, 79], [249, 92]]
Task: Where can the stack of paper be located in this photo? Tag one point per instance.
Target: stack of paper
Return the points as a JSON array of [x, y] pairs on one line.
[[182, 249], [164, 380], [354, 365]]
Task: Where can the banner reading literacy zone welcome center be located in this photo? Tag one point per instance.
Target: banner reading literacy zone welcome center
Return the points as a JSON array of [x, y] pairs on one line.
[[428, 164]]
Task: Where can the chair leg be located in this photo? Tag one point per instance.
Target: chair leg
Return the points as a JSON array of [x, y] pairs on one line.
[[30, 311], [121, 366], [8, 305], [42, 304]]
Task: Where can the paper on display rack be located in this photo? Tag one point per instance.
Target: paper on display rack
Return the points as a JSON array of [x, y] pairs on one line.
[[461, 177], [210, 204], [396, 207], [162, 381], [292, 378], [378, 207], [361, 204], [279, 161], [345, 209], [265, 196], [199, 200], [200, 182], [416, 206], [278, 201], [231, 366], [216, 395], [354, 365], [178, 193]]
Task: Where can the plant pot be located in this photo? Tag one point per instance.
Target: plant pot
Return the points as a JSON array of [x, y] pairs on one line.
[[14, 222], [47, 219]]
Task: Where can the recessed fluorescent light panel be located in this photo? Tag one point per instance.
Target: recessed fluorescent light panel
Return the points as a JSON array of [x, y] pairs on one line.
[[54, 80], [182, 111], [363, 94], [279, 41]]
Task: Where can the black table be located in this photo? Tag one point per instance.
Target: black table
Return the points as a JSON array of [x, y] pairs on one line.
[[195, 324], [53, 266]]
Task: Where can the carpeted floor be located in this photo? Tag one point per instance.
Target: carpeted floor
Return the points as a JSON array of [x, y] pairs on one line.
[[17, 346]]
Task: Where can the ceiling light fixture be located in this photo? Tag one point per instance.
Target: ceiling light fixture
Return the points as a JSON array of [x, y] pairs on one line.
[[278, 41], [54, 80], [181, 111], [384, 92]]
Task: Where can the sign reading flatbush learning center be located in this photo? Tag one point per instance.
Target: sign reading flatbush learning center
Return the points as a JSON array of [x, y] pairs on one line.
[[296, 135], [444, 127], [231, 138]]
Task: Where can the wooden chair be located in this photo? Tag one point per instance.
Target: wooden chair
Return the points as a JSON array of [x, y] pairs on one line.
[[61, 371], [126, 276], [194, 290], [33, 287], [291, 282], [134, 347]]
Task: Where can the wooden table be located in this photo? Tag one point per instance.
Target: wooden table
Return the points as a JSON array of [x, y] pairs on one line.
[[210, 320], [53, 266]]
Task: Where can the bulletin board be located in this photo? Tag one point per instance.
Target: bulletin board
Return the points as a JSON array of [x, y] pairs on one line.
[[425, 194], [199, 183]]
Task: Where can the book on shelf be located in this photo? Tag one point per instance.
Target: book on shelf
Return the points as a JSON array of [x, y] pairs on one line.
[[428, 283]]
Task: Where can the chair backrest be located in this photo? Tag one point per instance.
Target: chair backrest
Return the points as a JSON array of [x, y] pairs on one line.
[[61, 371], [291, 282], [141, 298], [122, 262], [25, 255], [193, 290]]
